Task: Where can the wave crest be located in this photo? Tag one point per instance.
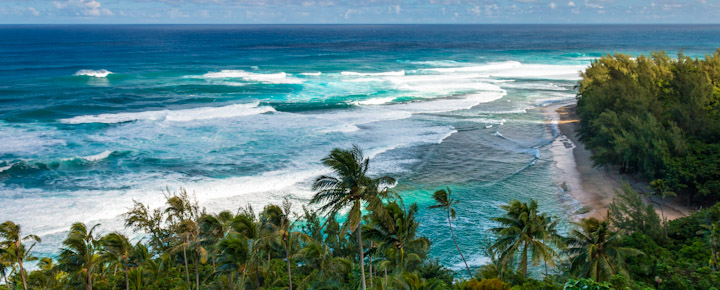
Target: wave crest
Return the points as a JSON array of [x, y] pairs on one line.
[[236, 110], [272, 78], [93, 73]]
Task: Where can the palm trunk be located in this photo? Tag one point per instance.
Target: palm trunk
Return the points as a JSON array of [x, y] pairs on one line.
[[712, 250], [458, 247], [89, 278], [287, 262], [386, 284], [523, 261], [362, 257], [187, 272], [127, 279], [22, 269], [662, 212], [257, 277], [197, 272], [230, 283], [371, 267]]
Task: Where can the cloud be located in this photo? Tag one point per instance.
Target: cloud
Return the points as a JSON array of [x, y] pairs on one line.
[[33, 11], [553, 5], [571, 4], [88, 8]]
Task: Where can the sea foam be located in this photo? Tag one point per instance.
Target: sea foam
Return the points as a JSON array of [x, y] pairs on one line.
[[93, 73], [271, 78], [236, 110]]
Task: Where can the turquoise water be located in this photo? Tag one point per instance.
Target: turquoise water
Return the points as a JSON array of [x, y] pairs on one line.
[[92, 117]]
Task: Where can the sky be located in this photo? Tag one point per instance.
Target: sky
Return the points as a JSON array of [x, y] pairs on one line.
[[357, 11]]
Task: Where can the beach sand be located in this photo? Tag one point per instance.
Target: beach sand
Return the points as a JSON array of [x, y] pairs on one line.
[[593, 187]]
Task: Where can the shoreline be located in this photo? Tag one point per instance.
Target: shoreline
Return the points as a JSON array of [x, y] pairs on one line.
[[594, 188]]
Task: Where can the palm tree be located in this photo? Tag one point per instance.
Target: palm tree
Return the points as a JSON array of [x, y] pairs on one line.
[[213, 228], [80, 252], [350, 187], [444, 201], [526, 230], [233, 255], [12, 242], [595, 251], [711, 233], [660, 189], [397, 237], [116, 248]]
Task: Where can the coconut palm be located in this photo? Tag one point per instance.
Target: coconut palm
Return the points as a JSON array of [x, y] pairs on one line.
[[711, 233], [660, 189], [444, 201], [397, 237], [79, 255], [525, 230], [116, 248], [350, 186], [12, 243], [233, 255], [595, 251]]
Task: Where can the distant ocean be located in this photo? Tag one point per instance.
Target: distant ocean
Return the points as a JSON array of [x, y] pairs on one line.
[[92, 117]]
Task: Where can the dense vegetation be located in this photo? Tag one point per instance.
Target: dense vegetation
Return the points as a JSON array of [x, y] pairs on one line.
[[656, 117], [375, 247]]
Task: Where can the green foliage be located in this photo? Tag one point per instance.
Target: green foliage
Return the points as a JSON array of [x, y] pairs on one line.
[[187, 248], [586, 284], [628, 213], [655, 116]]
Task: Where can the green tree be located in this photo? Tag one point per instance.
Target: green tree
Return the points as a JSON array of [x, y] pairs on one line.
[[444, 201], [661, 190], [233, 256], [116, 248], [711, 234], [12, 243], [350, 187], [79, 255], [595, 251], [524, 230]]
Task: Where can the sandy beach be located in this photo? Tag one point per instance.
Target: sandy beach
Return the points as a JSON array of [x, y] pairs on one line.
[[593, 187]]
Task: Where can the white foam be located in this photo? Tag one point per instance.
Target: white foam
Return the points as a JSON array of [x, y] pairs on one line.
[[236, 110], [2, 169], [376, 101], [311, 73], [93, 73], [271, 78], [97, 157], [389, 73], [478, 68]]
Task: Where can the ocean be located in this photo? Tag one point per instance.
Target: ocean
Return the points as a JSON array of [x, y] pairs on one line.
[[93, 117]]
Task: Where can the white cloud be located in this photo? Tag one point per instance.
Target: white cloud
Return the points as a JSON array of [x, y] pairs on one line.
[[552, 5], [33, 11], [571, 4], [90, 8]]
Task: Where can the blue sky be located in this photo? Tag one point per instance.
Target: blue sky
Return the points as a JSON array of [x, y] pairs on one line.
[[359, 11]]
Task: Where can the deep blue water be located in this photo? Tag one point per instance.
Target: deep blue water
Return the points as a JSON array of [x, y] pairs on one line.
[[92, 117]]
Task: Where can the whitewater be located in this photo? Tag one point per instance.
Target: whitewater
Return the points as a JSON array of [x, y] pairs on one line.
[[243, 115]]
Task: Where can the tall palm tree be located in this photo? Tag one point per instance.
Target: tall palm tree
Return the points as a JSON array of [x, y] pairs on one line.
[[79, 254], [233, 256], [528, 231], [660, 189], [116, 248], [12, 242], [350, 186], [444, 201], [397, 237], [595, 251], [711, 233]]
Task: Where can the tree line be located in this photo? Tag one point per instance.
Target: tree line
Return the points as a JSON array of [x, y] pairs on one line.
[[359, 234], [656, 117]]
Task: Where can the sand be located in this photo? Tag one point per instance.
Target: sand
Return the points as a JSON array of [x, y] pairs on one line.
[[593, 187]]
